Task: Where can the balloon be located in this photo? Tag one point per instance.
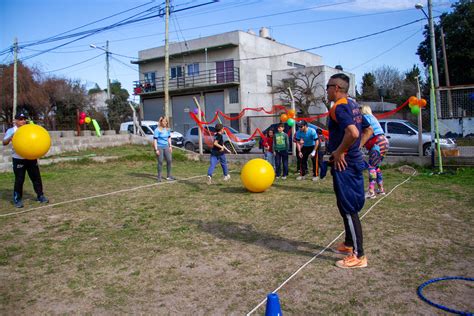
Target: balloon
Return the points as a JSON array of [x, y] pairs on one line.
[[291, 113], [415, 110], [410, 105], [290, 122], [413, 100], [96, 127], [196, 111], [82, 115], [257, 175], [87, 120], [283, 117], [31, 141], [422, 103], [81, 121]]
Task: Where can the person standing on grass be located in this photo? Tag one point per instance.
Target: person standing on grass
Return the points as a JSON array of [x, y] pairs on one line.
[[218, 155], [21, 166], [163, 148], [347, 165], [268, 147], [373, 138], [280, 148], [307, 143]]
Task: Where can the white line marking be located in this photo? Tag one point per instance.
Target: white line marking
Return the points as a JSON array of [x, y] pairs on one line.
[[95, 196]]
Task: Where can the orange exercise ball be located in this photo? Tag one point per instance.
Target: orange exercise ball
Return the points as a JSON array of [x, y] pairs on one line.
[[257, 175], [31, 141]]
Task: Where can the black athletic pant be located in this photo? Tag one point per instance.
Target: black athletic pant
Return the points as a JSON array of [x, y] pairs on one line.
[[304, 161], [20, 168], [353, 230]]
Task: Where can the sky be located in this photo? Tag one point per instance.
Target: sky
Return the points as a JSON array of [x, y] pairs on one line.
[[302, 24]]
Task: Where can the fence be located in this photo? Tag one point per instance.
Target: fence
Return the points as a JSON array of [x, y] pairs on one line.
[[457, 101]]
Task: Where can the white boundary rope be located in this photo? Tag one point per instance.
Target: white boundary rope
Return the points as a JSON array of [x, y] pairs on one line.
[[96, 196], [328, 246]]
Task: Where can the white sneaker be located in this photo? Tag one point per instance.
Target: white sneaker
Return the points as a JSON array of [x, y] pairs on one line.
[[315, 179], [370, 195], [209, 180], [381, 192], [283, 178], [227, 177], [301, 178]]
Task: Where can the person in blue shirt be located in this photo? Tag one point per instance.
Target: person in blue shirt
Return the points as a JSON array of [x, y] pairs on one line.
[[21, 166], [377, 144], [347, 165], [163, 148], [307, 142]]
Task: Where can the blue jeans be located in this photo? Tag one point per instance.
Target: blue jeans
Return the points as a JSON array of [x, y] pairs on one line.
[[281, 157], [270, 158], [214, 160]]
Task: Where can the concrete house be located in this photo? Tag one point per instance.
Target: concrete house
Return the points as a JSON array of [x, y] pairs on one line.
[[226, 72]]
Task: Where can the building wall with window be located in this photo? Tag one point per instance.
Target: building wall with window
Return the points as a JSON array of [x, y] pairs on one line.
[[248, 86]]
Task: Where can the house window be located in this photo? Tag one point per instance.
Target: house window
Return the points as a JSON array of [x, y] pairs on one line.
[[296, 65], [233, 95], [193, 69], [224, 71], [269, 80], [176, 72], [150, 77]]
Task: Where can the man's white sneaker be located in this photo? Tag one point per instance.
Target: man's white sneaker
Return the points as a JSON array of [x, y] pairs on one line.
[[209, 180], [301, 178], [283, 178], [315, 179], [227, 177]]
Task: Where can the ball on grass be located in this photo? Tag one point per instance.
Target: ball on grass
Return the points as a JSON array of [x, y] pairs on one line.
[[31, 141], [257, 175]]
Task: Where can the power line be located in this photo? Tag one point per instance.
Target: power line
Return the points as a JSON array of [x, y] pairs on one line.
[[335, 43], [84, 61], [385, 51]]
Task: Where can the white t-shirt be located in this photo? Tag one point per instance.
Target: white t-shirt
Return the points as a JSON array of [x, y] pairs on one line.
[[8, 134]]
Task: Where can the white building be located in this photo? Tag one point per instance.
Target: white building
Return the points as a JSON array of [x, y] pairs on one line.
[[226, 72]]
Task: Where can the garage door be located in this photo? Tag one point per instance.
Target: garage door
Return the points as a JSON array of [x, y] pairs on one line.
[[214, 102], [153, 109], [182, 105]]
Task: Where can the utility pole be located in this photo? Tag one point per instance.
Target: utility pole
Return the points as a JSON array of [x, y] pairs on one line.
[[107, 66], [420, 121], [167, 61], [446, 74], [15, 76]]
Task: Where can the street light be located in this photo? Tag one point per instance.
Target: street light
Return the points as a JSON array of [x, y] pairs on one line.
[[434, 63], [106, 50]]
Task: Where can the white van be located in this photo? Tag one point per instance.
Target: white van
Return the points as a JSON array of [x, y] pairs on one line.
[[149, 128]]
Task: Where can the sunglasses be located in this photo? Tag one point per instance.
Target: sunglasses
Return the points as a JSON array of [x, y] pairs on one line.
[[331, 85]]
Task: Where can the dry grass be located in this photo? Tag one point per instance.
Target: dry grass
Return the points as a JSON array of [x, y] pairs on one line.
[[186, 247]]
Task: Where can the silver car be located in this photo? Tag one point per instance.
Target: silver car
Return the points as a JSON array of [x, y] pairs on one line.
[[403, 137], [191, 140]]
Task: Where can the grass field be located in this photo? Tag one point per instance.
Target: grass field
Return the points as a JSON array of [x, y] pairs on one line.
[[188, 248]]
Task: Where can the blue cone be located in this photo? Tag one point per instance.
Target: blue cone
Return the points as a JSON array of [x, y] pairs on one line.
[[273, 305]]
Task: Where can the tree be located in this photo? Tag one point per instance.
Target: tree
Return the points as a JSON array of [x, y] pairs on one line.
[[29, 93], [307, 88], [369, 89], [458, 27], [390, 80], [118, 105], [409, 84]]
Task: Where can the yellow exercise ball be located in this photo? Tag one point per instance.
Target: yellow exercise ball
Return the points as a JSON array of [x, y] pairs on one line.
[[257, 175], [31, 141]]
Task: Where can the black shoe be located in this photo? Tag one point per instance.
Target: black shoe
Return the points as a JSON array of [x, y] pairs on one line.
[[18, 204], [42, 199]]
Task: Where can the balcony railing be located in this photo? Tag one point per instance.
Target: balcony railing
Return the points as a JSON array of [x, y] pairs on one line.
[[201, 79]]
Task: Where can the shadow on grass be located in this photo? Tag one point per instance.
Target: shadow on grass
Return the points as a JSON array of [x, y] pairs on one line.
[[311, 188], [143, 175], [7, 195], [247, 234]]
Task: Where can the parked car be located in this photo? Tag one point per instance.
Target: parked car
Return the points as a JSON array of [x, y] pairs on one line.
[[191, 139], [149, 127], [403, 137]]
